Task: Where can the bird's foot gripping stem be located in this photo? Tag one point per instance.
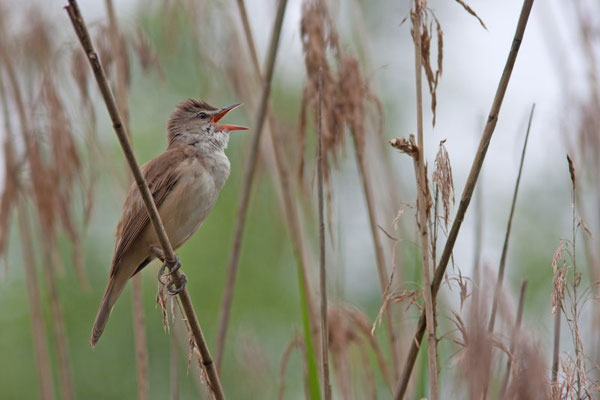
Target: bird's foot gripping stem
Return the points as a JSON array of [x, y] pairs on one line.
[[173, 289], [173, 266]]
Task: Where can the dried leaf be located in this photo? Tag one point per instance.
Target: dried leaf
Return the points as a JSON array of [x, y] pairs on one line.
[[559, 277], [406, 146], [571, 170], [472, 12], [161, 301], [442, 176]]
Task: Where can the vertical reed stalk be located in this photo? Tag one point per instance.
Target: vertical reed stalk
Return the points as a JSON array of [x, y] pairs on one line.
[[467, 193], [120, 130], [478, 240], [122, 98], [513, 340], [556, 346], [502, 266], [380, 259], [38, 330], [576, 280], [58, 324], [139, 331], [174, 363], [322, 267], [283, 175], [120, 56], [422, 207]]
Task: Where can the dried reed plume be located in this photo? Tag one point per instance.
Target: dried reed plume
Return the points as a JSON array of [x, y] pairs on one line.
[[346, 94], [43, 164], [345, 102]]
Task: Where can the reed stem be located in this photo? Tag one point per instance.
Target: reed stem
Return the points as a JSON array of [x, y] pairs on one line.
[[322, 267], [422, 207]]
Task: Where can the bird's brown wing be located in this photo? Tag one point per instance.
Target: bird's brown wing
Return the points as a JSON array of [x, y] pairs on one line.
[[162, 175]]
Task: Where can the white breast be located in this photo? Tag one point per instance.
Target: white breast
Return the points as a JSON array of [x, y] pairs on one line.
[[194, 196]]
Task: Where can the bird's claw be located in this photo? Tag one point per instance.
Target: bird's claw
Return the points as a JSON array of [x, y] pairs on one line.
[[172, 289], [173, 266]]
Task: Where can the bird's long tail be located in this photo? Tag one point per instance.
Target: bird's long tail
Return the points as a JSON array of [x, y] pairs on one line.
[[113, 290]]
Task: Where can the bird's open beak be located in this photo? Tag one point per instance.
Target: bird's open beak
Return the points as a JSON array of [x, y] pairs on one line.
[[221, 113]]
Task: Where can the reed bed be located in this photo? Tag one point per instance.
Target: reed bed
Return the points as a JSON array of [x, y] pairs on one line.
[[273, 284]]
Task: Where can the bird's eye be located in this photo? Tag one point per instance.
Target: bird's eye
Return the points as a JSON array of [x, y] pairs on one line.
[[203, 115]]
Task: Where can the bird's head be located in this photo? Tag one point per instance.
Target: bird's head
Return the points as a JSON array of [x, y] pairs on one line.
[[195, 123]]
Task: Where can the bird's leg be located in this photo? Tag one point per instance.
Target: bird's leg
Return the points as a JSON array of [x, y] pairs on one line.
[[173, 265], [158, 253]]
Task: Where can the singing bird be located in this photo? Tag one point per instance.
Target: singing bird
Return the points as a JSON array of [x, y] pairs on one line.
[[185, 182]]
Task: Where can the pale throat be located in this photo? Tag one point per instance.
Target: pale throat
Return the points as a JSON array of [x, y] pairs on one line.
[[206, 140]]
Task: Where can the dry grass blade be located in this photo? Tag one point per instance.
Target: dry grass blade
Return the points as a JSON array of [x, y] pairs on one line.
[[191, 318], [472, 12], [467, 192]]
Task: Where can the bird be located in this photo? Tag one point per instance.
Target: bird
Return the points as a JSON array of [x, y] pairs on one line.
[[185, 182]]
